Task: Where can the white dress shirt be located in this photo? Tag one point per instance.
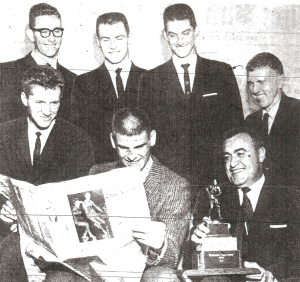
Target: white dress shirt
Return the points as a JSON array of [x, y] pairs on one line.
[[190, 59], [272, 114], [125, 65], [253, 194], [41, 60], [32, 130]]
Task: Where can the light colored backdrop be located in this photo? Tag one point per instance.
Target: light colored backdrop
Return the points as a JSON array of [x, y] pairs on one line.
[[232, 33]]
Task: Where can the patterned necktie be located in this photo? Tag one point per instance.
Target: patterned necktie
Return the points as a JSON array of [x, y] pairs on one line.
[[247, 208], [37, 150], [265, 124], [120, 87], [187, 84]]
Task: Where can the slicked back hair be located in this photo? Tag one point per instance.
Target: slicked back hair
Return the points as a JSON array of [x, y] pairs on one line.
[[254, 135], [44, 76], [112, 18], [179, 12], [130, 122], [265, 59], [42, 9]]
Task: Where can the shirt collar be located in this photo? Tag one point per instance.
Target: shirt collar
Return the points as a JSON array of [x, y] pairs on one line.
[[273, 110], [145, 171], [42, 60], [258, 184], [32, 129], [125, 65], [190, 59]]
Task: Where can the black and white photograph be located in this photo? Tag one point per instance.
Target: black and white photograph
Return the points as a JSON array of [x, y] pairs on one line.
[[90, 216]]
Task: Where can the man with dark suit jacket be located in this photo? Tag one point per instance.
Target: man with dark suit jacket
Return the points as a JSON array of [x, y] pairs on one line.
[[45, 31], [278, 117], [167, 193], [112, 86], [263, 215], [38, 149], [191, 100]]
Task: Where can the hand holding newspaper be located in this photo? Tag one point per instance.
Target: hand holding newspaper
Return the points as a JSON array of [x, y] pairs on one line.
[[92, 216]]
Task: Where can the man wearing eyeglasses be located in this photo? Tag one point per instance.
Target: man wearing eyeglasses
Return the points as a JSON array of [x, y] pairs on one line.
[[98, 94], [45, 31]]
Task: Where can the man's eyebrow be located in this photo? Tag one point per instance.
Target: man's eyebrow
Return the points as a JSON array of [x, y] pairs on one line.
[[186, 30], [240, 149], [140, 146], [123, 147]]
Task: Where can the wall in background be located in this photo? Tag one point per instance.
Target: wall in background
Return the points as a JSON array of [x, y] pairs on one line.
[[232, 33]]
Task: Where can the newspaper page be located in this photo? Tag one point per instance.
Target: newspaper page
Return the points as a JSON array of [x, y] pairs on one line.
[[86, 217]]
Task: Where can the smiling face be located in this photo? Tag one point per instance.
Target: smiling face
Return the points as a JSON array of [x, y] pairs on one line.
[[42, 105], [134, 150], [181, 37], [265, 84], [113, 41], [243, 162], [49, 46]]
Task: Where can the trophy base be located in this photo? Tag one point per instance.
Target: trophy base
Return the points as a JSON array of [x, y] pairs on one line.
[[218, 229]]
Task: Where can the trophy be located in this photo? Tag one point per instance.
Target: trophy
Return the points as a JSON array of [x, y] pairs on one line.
[[219, 249]]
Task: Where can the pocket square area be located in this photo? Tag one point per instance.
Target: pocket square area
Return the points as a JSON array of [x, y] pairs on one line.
[[278, 225], [209, 94]]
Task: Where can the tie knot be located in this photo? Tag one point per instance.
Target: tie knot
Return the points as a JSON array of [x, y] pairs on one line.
[[246, 190], [185, 66], [118, 71], [266, 116], [38, 134]]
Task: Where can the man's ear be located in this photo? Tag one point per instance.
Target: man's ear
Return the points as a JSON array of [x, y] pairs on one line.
[[281, 80], [152, 137], [165, 36], [261, 154], [98, 41], [112, 141], [24, 99], [30, 34]]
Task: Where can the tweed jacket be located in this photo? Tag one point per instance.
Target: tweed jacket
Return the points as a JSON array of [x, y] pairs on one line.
[[11, 73], [168, 197]]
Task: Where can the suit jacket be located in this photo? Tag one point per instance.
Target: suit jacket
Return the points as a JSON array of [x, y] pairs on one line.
[[272, 241], [189, 125], [94, 101], [168, 197], [283, 142], [11, 73]]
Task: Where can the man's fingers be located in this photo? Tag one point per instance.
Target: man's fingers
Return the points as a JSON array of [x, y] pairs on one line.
[[6, 219], [196, 239], [14, 228], [9, 204]]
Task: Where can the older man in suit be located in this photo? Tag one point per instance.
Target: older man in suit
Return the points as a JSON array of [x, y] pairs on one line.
[[191, 100], [112, 86], [278, 117], [38, 149], [263, 215], [45, 31]]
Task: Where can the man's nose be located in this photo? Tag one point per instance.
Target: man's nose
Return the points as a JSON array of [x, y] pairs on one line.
[[113, 44], [234, 161], [180, 39], [130, 155], [46, 110], [257, 88], [51, 37]]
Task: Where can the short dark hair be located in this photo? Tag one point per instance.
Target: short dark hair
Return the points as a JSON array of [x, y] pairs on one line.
[[140, 122], [112, 18], [179, 12], [45, 76], [253, 133], [42, 9], [265, 59]]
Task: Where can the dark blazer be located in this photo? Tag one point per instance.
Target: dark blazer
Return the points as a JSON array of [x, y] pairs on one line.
[[94, 101], [11, 73], [189, 125], [283, 142], [272, 248], [168, 197]]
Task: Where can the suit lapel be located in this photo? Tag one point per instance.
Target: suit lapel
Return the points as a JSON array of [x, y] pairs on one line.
[[280, 119], [28, 62], [201, 71]]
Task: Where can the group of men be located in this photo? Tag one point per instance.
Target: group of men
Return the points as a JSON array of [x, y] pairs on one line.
[[56, 126]]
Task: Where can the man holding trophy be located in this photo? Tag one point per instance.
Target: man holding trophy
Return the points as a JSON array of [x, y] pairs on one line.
[[260, 214]]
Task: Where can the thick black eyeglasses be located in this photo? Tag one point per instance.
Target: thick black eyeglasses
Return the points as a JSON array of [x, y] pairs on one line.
[[45, 32]]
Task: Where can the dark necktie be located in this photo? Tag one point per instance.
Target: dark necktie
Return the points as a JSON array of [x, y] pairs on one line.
[[187, 84], [37, 150], [265, 124], [120, 87], [247, 208]]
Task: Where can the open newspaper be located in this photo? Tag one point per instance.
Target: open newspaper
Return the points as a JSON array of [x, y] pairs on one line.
[[88, 217]]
